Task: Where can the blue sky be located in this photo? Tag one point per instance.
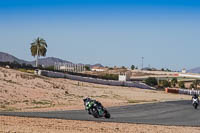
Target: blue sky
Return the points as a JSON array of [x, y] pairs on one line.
[[112, 32]]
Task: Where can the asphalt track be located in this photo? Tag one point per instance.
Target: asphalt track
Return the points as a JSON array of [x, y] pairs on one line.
[[179, 113]]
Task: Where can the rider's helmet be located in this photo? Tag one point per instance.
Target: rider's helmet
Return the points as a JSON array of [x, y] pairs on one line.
[[87, 99], [195, 95]]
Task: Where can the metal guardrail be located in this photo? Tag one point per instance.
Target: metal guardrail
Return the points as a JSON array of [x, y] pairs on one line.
[[182, 91]]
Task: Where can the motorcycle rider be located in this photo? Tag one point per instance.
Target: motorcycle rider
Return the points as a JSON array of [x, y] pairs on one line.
[[195, 96], [95, 108], [88, 100], [86, 103]]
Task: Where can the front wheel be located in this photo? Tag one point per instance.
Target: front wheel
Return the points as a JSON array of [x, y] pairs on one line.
[[107, 114], [89, 111], [95, 113]]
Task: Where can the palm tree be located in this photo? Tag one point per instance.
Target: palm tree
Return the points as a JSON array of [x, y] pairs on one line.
[[174, 81], [38, 48], [196, 83]]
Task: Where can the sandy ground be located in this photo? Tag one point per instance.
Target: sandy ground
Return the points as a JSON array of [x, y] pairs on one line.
[[40, 125], [21, 91]]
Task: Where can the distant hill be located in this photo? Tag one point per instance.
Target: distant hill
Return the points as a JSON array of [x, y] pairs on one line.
[[48, 61], [98, 65], [194, 70], [5, 57], [95, 65]]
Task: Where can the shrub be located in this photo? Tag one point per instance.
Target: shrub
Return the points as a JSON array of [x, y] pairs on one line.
[[110, 76], [196, 83], [181, 84], [50, 68], [87, 68], [132, 67], [192, 86], [110, 68], [164, 83], [151, 81], [123, 67], [174, 82]]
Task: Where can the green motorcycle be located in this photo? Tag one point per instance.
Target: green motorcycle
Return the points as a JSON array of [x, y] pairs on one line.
[[95, 108]]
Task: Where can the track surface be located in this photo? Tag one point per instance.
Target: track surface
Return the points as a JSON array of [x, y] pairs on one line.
[[180, 113]]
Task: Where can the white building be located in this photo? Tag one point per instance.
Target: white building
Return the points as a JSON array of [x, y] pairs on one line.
[[184, 70], [69, 67], [124, 76], [98, 69]]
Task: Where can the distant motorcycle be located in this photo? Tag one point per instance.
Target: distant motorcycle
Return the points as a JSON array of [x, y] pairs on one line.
[[95, 108], [195, 101]]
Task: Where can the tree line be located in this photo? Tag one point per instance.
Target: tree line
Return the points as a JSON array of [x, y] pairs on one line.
[[152, 81]]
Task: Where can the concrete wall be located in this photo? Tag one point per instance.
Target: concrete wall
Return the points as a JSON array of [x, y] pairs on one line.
[[93, 80]]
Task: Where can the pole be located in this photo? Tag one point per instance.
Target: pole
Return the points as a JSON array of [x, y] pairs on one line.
[[142, 62]]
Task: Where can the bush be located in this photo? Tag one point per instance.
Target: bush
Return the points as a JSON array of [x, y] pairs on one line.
[[195, 83], [16, 65], [192, 86], [87, 68], [123, 67], [132, 67], [110, 68], [50, 68], [174, 82], [110, 76], [151, 81], [181, 84], [164, 83]]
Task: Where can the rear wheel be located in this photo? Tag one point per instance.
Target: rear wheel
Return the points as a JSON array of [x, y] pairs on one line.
[[195, 105]]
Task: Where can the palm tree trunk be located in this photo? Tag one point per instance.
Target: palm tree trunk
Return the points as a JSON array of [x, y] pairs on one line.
[[37, 57]]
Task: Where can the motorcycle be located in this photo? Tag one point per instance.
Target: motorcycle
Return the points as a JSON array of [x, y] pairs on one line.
[[95, 108], [195, 101]]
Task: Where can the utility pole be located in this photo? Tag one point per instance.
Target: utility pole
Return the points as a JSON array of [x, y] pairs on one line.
[[142, 62]]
